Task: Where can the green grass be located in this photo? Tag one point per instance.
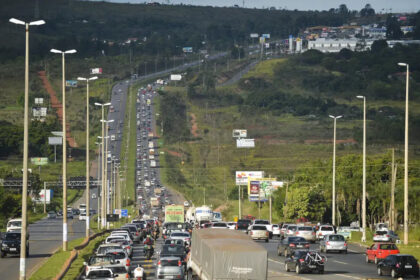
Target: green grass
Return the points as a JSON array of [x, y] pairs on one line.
[[54, 263], [249, 208], [264, 69]]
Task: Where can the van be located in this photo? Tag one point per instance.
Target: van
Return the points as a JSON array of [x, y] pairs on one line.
[[14, 224]]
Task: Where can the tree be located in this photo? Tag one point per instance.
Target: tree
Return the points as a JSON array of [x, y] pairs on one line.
[[367, 11], [393, 29], [378, 46], [342, 9]]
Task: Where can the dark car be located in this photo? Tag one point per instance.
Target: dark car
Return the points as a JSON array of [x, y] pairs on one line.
[[288, 245], [302, 261], [398, 265], [243, 224], [174, 250], [11, 244]]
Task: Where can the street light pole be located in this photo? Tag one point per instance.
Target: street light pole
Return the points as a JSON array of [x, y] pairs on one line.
[[97, 197], [87, 153], [333, 179], [406, 155], [63, 53], [23, 252], [364, 169]]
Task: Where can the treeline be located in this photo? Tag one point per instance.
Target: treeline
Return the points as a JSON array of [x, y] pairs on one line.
[[310, 192]]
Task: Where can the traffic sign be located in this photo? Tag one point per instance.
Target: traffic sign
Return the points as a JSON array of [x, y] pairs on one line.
[[124, 213]]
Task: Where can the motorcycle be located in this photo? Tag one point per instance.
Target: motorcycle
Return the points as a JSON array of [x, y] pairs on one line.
[[148, 249], [155, 235]]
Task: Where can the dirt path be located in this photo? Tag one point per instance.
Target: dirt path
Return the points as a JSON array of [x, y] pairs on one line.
[[55, 103], [194, 126]]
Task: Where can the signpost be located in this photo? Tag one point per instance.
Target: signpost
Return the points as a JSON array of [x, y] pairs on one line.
[[124, 213], [187, 49], [71, 83], [245, 143], [55, 141], [39, 161]]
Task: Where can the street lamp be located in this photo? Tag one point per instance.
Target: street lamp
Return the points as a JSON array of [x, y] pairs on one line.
[[106, 166], [406, 154], [97, 197], [364, 169], [22, 269], [103, 162], [333, 179], [87, 151], [63, 53]]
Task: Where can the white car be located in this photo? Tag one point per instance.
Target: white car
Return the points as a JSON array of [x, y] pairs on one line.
[[276, 230], [231, 225], [324, 230], [14, 224], [184, 236], [221, 225]]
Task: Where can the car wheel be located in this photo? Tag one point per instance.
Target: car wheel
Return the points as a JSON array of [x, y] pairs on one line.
[[298, 269], [286, 267], [367, 259], [379, 271], [3, 254], [278, 252], [376, 260], [393, 273]]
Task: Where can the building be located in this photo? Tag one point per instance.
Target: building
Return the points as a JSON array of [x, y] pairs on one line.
[[332, 45]]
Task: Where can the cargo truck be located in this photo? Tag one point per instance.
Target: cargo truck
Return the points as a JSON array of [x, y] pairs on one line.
[[225, 254], [174, 214], [151, 151], [151, 145], [158, 191], [154, 202], [153, 163]]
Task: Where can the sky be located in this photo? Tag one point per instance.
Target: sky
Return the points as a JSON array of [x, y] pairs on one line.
[[380, 6]]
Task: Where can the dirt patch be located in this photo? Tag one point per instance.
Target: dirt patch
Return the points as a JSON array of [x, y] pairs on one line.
[[194, 126], [173, 153], [221, 208], [55, 103]]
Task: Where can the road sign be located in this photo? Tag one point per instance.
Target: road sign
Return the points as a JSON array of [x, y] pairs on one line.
[[55, 140], [187, 49], [124, 213], [267, 36], [95, 71], [176, 77], [39, 160], [254, 35]]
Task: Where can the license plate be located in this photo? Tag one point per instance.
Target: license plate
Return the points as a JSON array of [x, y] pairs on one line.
[[12, 249], [312, 266], [169, 277], [408, 266], [299, 246]]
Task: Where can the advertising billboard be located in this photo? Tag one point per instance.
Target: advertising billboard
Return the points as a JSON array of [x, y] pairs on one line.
[[187, 49], [239, 133], [39, 112], [39, 100], [48, 194], [39, 160], [245, 143], [176, 77], [267, 36], [262, 40], [253, 35], [242, 176], [259, 189], [174, 214], [55, 140], [95, 71], [71, 83]]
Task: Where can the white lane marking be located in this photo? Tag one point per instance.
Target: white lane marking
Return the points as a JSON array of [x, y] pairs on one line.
[[354, 251], [271, 260], [349, 276], [340, 262]]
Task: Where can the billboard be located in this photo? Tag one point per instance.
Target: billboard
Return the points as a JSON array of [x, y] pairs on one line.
[[71, 83], [187, 49], [55, 140], [259, 189], [253, 35], [39, 101], [262, 40], [39, 160], [267, 36], [39, 112], [95, 71], [267, 45], [174, 214], [239, 133], [245, 143], [176, 77], [40, 199], [242, 176]]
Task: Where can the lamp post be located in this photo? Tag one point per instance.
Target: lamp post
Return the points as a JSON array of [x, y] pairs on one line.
[[87, 152], [106, 205], [103, 163], [97, 196], [23, 253], [364, 169], [406, 154], [333, 179], [63, 54]]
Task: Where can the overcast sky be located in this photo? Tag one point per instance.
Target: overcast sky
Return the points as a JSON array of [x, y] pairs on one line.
[[378, 5]]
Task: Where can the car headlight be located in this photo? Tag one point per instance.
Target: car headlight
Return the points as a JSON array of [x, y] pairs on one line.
[[4, 245]]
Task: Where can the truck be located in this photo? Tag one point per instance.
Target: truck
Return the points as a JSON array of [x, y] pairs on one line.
[[147, 183], [153, 163], [157, 191], [151, 151], [154, 202], [151, 156], [225, 254], [203, 213], [174, 214], [151, 145]]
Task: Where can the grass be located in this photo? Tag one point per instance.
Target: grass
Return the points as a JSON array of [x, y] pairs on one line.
[[251, 208], [264, 69], [54, 263]]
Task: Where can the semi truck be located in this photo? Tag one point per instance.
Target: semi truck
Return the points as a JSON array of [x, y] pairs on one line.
[[199, 214], [225, 254]]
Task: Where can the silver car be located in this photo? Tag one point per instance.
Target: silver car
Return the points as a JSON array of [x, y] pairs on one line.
[[306, 232], [184, 236], [169, 268], [385, 236], [333, 242]]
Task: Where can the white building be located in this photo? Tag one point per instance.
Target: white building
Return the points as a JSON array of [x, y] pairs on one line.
[[332, 45]]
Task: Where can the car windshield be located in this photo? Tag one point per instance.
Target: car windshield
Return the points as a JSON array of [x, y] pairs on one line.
[[176, 226], [169, 262], [104, 250], [297, 239], [219, 225], [336, 238], [118, 269], [14, 224], [293, 228], [114, 239], [100, 259], [388, 247], [406, 259], [118, 255], [327, 229], [305, 229], [180, 234], [172, 249], [93, 274], [381, 232], [244, 221], [259, 228], [13, 235], [262, 222]]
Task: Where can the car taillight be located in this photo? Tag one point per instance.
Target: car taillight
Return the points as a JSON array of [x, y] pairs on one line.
[[292, 245], [138, 278], [328, 242], [137, 233], [159, 262], [398, 265], [375, 235], [320, 233], [301, 260], [236, 227], [127, 276], [178, 276], [345, 244], [313, 233], [127, 263], [187, 239], [179, 263], [417, 265], [307, 245], [128, 247], [387, 235], [297, 232]]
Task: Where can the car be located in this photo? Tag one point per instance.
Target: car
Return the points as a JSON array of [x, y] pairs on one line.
[[380, 251], [51, 215], [82, 216], [259, 232], [289, 244], [220, 225], [99, 273], [173, 250], [10, 244], [243, 224], [276, 230], [266, 223], [122, 257], [398, 265], [283, 231], [306, 232], [69, 214], [302, 261], [324, 230], [169, 268], [231, 225], [184, 236], [94, 196], [385, 236], [291, 230], [14, 224], [96, 261], [333, 242]]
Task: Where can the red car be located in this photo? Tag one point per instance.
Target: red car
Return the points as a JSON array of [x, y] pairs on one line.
[[379, 251]]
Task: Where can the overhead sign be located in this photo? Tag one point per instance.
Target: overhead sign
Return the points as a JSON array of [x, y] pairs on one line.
[[39, 112], [96, 71], [267, 36], [176, 77], [239, 133], [259, 189], [71, 83], [187, 49], [39, 160], [242, 176], [245, 143], [254, 35], [55, 140], [39, 101]]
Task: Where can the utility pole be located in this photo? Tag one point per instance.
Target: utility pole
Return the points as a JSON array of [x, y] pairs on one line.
[[333, 175], [393, 180]]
